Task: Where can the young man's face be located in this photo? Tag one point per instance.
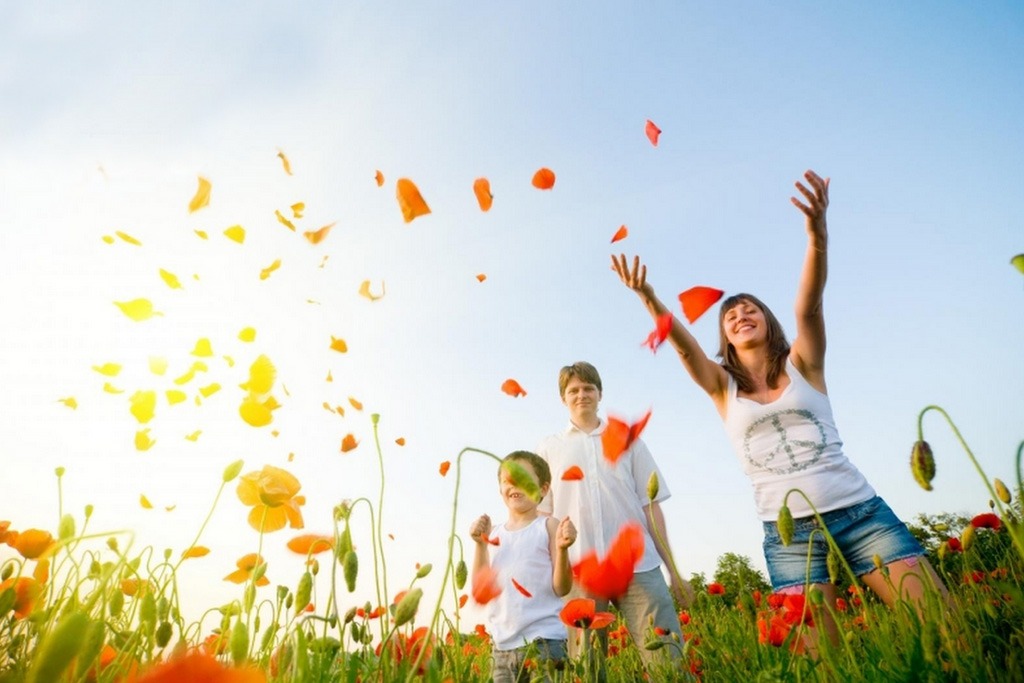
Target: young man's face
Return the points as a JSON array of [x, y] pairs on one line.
[[581, 398]]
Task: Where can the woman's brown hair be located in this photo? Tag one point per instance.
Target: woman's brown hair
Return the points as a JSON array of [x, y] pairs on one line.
[[778, 346]]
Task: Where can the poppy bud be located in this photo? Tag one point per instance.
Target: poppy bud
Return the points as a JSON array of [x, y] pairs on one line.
[[832, 560], [232, 471], [315, 566], [652, 486], [94, 637], [785, 525], [654, 644], [374, 418], [147, 610], [406, 609], [116, 603], [967, 537], [59, 472], [303, 592], [112, 543], [268, 636], [249, 598], [350, 566], [424, 570], [357, 631], [163, 633], [922, 464], [1002, 492], [350, 614], [66, 528], [59, 648], [259, 571], [239, 642], [461, 574], [943, 550], [877, 559], [7, 571], [88, 511]]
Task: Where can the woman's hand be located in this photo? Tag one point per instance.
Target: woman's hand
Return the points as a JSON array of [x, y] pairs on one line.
[[634, 277], [816, 206]]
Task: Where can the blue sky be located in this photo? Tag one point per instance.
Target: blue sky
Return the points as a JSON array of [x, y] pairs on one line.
[[108, 113]]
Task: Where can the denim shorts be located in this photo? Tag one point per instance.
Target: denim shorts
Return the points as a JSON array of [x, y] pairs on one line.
[[861, 531]]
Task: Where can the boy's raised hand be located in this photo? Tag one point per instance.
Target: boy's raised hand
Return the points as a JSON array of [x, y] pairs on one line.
[[565, 536], [480, 529]]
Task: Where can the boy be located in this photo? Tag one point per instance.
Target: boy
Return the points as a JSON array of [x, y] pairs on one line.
[[529, 555]]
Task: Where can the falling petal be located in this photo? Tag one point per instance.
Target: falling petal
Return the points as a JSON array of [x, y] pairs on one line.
[[297, 209], [236, 233], [310, 544], [480, 277], [520, 588], [144, 502], [186, 378], [137, 309], [652, 132], [157, 365], [143, 405], [323, 261], [574, 473], [202, 196], [195, 551], [327, 407], [379, 177], [230, 361], [247, 334], [330, 377], [512, 388], [544, 179], [445, 466], [661, 331], [194, 436], [485, 585], [338, 345], [348, 443], [400, 441], [254, 412], [203, 348], [697, 300], [170, 508], [108, 369], [1018, 262], [70, 402], [410, 200], [111, 389], [284, 162], [201, 234], [620, 234], [482, 190], [355, 404], [618, 436], [209, 390], [174, 396], [109, 239], [364, 290], [265, 273], [318, 236], [284, 221], [261, 376], [142, 440], [170, 279], [128, 238], [339, 410]]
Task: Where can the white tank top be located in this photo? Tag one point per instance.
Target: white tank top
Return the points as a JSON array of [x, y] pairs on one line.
[[792, 442], [524, 555]]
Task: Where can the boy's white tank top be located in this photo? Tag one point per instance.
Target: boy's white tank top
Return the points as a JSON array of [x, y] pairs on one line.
[[524, 555], [793, 442]]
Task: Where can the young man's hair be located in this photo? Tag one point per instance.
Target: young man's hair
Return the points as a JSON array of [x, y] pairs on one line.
[[778, 346], [582, 370], [540, 465]]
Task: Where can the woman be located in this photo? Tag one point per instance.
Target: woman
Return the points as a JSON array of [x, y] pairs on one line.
[[772, 398]]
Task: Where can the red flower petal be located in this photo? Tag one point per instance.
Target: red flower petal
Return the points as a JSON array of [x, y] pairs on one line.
[[609, 578], [512, 388], [987, 520], [652, 132], [697, 300], [574, 473], [661, 331], [620, 234], [485, 585], [445, 466], [544, 179], [618, 436], [520, 588]]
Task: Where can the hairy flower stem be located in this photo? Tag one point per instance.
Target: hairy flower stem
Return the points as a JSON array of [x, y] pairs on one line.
[[379, 541]]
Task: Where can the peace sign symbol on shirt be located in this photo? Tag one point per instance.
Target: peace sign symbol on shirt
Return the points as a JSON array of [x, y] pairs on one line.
[[784, 441]]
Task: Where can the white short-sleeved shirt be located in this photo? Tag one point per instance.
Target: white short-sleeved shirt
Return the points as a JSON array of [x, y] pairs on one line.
[[609, 495]]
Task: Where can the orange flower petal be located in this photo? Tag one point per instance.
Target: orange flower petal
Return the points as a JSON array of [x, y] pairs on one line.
[[482, 190], [348, 443], [445, 466], [544, 179], [620, 234], [574, 473], [485, 585], [512, 388], [364, 290], [379, 177], [317, 236], [338, 345], [652, 132], [480, 277], [697, 300], [195, 551], [308, 544], [618, 436], [355, 404], [400, 441], [410, 200], [284, 221]]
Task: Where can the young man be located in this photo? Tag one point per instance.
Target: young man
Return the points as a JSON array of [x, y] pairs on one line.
[[606, 498]]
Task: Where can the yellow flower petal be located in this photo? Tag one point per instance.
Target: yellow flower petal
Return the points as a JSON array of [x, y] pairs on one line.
[[284, 221], [330, 378], [128, 238], [261, 376], [236, 233], [109, 239], [230, 361], [143, 405], [194, 436], [323, 261], [318, 236], [298, 208], [364, 290], [248, 334], [186, 378], [254, 412], [142, 440], [175, 396], [338, 345], [265, 272], [137, 309], [170, 279], [111, 389], [108, 369], [203, 348], [209, 390], [355, 404], [284, 162], [157, 365], [202, 234], [70, 402], [339, 410], [202, 196], [195, 551], [144, 502]]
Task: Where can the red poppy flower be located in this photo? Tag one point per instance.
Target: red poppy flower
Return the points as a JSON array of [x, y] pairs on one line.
[[200, 668], [618, 436], [574, 473], [716, 589], [408, 647], [954, 545], [795, 609], [609, 578], [842, 605], [579, 613], [772, 630], [987, 520], [485, 585], [684, 618]]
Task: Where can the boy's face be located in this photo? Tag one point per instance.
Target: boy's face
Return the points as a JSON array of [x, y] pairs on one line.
[[581, 398], [515, 498]]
